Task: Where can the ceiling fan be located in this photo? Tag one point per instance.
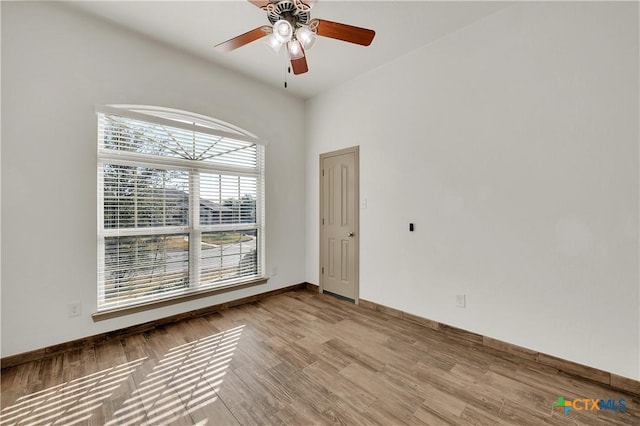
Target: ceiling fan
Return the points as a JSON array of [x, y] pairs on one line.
[[291, 25]]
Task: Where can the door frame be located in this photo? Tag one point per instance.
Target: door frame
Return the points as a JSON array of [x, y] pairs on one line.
[[356, 220]]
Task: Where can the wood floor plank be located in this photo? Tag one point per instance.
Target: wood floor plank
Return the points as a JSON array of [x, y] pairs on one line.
[[519, 392], [262, 386], [358, 397], [384, 412], [299, 412], [258, 353], [473, 415], [114, 381], [377, 385], [445, 404], [521, 414], [340, 348], [427, 354], [293, 354], [299, 358], [337, 414], [471, 392], [427, 416]]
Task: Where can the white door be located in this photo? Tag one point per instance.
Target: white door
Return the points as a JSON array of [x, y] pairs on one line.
[[339, 223]]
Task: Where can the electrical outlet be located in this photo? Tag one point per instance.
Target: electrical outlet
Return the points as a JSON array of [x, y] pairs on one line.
[[274, 271], [461, 300], [74, 309]]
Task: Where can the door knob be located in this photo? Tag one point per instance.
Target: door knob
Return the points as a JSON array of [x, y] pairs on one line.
[[351, 234]]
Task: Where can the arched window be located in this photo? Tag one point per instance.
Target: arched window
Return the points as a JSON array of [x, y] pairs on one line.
[[180, 205]]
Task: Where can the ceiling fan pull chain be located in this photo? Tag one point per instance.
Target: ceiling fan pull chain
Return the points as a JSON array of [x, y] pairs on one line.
[[288, 71]]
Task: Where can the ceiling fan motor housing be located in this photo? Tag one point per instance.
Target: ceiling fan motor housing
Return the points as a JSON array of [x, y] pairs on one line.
[[295, 12]]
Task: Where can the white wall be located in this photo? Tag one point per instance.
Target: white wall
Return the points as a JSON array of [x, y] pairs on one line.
[[56, 66], [512, 144]]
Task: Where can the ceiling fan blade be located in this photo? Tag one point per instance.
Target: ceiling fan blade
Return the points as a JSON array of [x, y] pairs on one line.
[[241, 40], [344, 32], [259, 3], [299, 65]]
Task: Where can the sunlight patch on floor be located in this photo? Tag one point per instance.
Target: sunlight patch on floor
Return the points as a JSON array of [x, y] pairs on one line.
[[185, 379], [68, 403]]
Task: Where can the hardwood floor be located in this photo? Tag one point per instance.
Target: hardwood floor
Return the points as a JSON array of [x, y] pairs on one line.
[[297, 358]]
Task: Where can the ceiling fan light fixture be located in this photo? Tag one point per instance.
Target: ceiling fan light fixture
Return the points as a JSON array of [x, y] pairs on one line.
[[282, 31], [273, 43], [295, 49], [306, 37]]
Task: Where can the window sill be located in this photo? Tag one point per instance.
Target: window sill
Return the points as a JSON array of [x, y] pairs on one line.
[[128, 310]]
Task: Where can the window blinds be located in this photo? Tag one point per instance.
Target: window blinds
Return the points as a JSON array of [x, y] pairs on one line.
[[181, 207]]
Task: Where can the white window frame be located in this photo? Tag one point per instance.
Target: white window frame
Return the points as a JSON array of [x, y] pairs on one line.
[[199, 124]]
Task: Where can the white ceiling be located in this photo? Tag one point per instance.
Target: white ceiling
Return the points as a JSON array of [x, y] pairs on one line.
[[196, 26]]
